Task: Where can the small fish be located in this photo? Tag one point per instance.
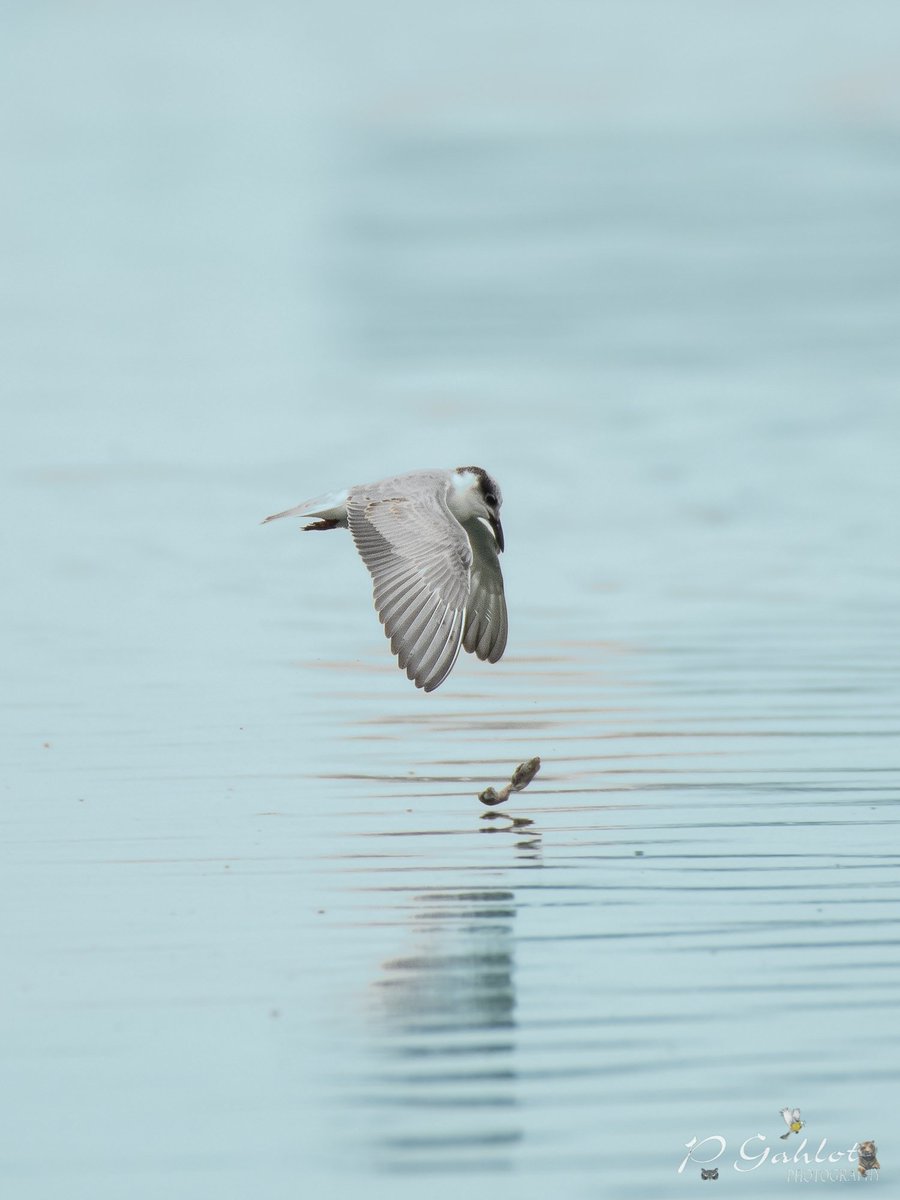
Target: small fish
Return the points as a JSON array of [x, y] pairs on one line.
[[521, 777]]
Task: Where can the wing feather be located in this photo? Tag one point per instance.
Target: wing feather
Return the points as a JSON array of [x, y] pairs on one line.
[[415, 625], [419, 558], [487, 625], [426, 644], [449, 651]]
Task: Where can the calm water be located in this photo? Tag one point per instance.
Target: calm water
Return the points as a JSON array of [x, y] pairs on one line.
[[260, 936]]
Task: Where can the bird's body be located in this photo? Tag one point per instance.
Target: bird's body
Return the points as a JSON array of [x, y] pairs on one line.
[[430, 540]]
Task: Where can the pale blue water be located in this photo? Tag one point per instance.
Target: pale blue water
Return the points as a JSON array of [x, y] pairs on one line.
[[642, 263]]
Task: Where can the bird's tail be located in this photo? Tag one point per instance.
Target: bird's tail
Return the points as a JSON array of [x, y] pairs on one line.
[[330, 509]]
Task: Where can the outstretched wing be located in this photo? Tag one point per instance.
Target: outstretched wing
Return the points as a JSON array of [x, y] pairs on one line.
[[486, 621], [419, 558]]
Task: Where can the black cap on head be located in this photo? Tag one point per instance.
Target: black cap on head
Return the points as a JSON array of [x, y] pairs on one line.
[[487, 485]]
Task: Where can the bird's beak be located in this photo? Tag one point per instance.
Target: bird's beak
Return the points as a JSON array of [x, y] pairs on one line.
[[498, 530], [288, 512]]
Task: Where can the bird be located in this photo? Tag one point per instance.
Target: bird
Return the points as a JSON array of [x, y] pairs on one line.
[[791, 1117], [431, 541]]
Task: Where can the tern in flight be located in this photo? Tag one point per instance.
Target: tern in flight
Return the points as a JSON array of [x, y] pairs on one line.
[[431, 541]]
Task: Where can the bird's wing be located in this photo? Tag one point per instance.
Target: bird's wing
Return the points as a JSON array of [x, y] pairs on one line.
[[419, 558], [486, 621], [788, 1115]]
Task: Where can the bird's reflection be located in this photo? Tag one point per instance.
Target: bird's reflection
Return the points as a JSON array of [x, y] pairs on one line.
[[446, 1018]]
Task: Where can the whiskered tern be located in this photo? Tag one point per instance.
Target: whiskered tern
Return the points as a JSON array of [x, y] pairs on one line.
[[431, 541]]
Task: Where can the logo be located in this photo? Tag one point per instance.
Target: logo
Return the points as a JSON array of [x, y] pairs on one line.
[[792, 1120], [867, 1154], [859, 1161]]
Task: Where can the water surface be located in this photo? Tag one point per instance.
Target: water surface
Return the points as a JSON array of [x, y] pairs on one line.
[[260, 933]]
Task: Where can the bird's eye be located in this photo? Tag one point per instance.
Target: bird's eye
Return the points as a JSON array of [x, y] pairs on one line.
[[490, 499]]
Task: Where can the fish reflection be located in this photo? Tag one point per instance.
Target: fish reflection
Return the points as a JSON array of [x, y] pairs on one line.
[[447, 1029], [529, 841]]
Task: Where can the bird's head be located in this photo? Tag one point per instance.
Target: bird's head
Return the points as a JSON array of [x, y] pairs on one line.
[[476, 494]]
